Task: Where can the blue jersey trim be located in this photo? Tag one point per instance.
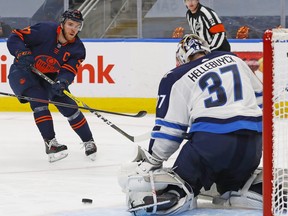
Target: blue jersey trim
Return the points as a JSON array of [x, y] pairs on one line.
[[170, 125], [166, 136], [227, 127]]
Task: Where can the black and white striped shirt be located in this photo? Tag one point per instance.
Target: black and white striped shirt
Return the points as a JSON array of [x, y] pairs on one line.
[[207, 25]]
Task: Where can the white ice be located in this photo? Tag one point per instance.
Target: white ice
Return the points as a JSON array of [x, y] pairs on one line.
[[31, 186]]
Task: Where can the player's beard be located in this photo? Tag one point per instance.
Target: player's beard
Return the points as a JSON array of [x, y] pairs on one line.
[[67, 36]]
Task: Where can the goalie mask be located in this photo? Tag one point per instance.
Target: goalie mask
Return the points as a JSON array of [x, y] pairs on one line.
[[190, 45]]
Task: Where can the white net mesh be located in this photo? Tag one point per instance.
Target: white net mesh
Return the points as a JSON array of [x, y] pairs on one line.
[[280, 121]]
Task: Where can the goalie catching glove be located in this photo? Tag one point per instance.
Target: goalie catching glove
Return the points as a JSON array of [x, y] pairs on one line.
[[146, 162]]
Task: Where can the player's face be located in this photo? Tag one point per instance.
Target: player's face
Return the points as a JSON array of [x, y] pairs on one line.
[[71, 28], [192, 5]]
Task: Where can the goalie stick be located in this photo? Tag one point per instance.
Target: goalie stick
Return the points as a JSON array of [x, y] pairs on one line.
[[130, 137], [138, 115]]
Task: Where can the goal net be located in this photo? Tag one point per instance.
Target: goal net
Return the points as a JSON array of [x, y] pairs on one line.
[[275, 122]]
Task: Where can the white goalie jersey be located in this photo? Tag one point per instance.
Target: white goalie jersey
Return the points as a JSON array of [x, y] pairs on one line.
[[204, 95]]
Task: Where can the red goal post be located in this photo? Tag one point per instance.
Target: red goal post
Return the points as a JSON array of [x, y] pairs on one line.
[[275, 122]]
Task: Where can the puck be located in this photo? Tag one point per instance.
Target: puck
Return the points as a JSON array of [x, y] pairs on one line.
[[85, 200]]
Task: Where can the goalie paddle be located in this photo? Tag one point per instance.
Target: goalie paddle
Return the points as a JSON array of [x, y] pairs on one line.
[[130, 137], [137, 115]]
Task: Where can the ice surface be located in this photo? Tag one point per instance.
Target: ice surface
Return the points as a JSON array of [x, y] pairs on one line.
[[31, 186]]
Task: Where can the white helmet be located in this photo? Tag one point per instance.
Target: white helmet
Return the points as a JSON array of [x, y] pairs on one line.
[[188, 46]]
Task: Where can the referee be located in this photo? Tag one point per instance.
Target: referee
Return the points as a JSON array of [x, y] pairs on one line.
[[204, 22]]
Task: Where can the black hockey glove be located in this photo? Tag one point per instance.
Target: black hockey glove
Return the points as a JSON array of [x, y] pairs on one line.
[[24, 59], [59, 86]]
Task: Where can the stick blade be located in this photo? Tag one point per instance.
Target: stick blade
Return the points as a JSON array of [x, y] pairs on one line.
[[141, 113]]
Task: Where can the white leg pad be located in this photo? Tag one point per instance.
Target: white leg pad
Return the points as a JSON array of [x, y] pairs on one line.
[[243, 198], [234, 199]]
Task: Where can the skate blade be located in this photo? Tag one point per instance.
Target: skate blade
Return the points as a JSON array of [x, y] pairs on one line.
[[57, 156], [92, 156]]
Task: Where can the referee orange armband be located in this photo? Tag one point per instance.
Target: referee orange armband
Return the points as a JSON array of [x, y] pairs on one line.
[[217, 28]]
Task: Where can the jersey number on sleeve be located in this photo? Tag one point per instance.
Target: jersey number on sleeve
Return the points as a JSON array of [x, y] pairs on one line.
[[213, 82], [160, 100]]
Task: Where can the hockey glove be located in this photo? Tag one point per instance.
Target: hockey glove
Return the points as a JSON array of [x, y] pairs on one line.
[[148, 162], [59, 86], [24, 59]]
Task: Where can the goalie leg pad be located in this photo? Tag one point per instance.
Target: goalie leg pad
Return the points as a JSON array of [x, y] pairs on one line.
[[235, 199], [164, 202], [244, 198], [184, 204], [129, 180], [144, 193]]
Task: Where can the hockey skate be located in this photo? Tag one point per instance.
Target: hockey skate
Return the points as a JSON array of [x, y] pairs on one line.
[[54, 150], [90, 149]]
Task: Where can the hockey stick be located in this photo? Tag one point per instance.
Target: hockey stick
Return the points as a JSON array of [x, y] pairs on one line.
[[138, 115], [130, 137]]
